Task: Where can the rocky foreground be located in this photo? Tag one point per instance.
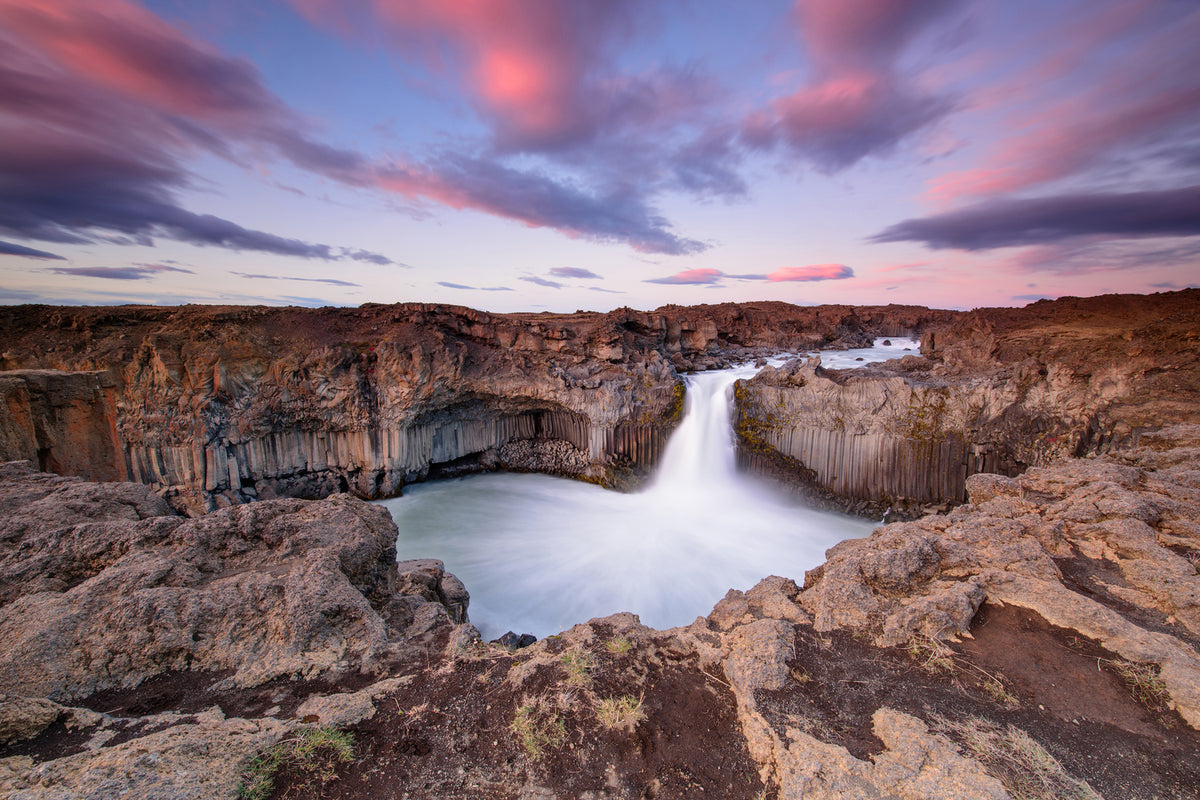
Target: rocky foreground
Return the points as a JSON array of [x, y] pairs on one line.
[[1039, 641]]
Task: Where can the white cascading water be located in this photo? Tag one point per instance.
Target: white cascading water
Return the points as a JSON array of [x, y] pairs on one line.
[[540, 554]]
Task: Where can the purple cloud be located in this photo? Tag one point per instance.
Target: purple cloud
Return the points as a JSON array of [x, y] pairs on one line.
[[329, 281], [1040, 220], [128, 99], [812, 272], [574, 272], [616, 215], [104, 101], [449, 285], [135, 273], [541, 281], [691, 277], [857, 102], [10, 249]]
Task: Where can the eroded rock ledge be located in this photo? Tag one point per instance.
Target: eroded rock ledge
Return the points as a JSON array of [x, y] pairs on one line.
[[216, 405], [1055, 584], [995, 390]]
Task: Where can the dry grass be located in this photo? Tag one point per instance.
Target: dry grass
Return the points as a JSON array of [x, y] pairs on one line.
[[931, 655], [1025, 768], [1146, 682], [578, 664], [994, 688], [620, 712], [538, 726], [619, 645]]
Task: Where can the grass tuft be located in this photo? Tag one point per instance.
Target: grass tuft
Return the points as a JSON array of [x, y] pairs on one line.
[[538, 727], [931, 655], [994, 688], [313, 751], [1146, 682], [1026, 769], [620, 712], [619, 645], [578, 664]]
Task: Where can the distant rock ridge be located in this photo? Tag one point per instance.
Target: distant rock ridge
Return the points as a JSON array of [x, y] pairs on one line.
[[219, 405]]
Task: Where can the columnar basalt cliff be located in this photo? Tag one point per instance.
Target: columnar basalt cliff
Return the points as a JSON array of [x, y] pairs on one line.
[[995, 390], [220, 405]]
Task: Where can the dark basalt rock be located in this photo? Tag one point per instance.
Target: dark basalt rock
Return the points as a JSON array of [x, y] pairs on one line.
[[513, 641]]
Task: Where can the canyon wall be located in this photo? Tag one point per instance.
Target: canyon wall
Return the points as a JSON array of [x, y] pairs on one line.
[[996, 390], [217, 405], [63, 422]]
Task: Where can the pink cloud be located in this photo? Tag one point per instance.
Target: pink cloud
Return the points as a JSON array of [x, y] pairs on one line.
[[104, 101], [1067, 140], [528, 62], [857, 102], [125, 48], [814, 272], [1141, 94], [850, 34], [702, 276], [914, 265]]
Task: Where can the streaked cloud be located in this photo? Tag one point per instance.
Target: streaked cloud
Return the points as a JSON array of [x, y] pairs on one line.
[[329, 281], [575, 272], [449, 285], [10, 249], [541, 281], [709, 277], [133, 273], [1008, 223], [691, 277], [857, 101], [814, 272]]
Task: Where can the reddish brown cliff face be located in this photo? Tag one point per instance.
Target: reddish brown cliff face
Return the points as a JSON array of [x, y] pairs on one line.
[[221, 404], [62, 422]]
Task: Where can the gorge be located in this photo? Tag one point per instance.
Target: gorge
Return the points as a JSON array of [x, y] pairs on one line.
[[1039, 593], [542, 553]]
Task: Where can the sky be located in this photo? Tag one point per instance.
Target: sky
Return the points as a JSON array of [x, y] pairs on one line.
[[554, 155]]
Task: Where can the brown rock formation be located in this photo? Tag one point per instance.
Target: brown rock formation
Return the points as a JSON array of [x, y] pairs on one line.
[[998, 390], [217, 405]]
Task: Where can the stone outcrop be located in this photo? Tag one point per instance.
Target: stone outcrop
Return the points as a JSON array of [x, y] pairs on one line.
[[1106, 546], [102, 587], [997, 391], [216, 405]]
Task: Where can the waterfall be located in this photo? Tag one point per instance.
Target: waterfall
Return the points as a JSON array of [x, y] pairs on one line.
[[540, 554]]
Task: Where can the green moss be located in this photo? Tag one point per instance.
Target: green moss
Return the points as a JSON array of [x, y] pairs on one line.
[[675, 410]]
